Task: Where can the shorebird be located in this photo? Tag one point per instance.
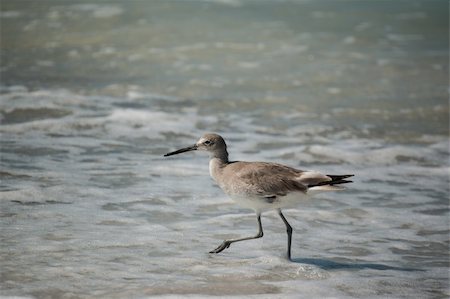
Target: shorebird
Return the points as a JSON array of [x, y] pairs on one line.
[[261, 186]]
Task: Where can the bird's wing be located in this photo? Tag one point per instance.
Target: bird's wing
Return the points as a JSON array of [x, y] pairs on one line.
[[269, 179]]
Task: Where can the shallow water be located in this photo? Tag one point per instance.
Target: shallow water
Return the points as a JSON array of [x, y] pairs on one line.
[[93, 95]]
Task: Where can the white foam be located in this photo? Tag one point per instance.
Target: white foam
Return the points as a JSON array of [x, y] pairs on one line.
[[9, 14], [100, 11], [123, 122], [353, 154], [118, 121]]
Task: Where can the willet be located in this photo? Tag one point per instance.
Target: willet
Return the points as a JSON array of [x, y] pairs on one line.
[[261, 186]]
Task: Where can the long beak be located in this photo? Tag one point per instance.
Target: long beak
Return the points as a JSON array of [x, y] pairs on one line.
[[186, 149]]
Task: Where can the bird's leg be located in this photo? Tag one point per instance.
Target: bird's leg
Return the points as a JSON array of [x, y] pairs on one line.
[[226, 243], [289, 233]]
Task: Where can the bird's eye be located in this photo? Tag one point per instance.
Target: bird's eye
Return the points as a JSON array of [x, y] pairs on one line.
[[207, 142]]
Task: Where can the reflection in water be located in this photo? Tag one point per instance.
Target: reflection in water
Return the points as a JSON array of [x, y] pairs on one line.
[[331, 265]]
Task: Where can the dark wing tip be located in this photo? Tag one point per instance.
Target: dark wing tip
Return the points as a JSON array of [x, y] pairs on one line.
[[339, 182], [339, 177], [335, 180]]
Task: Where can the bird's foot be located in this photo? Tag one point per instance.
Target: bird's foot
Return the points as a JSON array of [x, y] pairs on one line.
[[225, 244]]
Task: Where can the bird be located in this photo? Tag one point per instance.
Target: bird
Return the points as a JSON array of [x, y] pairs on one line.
[[261, 186]]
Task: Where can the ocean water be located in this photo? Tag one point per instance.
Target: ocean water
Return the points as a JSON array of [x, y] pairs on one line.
[[93, 93]]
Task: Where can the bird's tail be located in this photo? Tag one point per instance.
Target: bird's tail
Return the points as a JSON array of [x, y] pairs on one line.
[[330, 185]]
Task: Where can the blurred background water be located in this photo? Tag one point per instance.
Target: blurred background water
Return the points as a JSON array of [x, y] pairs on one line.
[[93, 93]]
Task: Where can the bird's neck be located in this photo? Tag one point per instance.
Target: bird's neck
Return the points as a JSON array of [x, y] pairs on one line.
[[216, 165], [222, 156]]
